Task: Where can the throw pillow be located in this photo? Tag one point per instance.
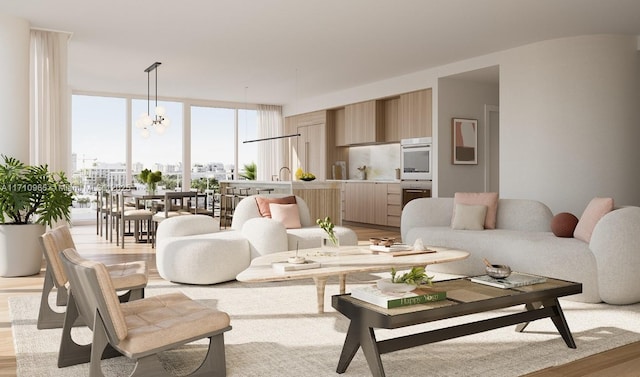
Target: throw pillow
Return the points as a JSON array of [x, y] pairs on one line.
[[489, 199], [563, 224], [263, 203], [596, 208], [287, 214], [469, 217]]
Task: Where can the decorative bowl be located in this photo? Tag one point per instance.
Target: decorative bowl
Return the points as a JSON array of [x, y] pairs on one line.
[[375, 240], [385, 285], [307, 179], [498, 271]]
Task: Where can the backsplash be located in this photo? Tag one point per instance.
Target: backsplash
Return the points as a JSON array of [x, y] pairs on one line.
[[381, 161]]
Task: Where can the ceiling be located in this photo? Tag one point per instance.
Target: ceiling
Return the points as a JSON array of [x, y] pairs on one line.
[[278, 51]]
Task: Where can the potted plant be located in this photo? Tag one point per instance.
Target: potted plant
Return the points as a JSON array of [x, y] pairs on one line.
[[31, 198], [330, 241], [405, 282]]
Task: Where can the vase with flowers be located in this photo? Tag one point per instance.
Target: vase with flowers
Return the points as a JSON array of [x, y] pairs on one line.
[[151, 179], [330, 243]]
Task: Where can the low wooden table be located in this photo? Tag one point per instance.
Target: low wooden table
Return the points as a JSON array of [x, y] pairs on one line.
[[463, 297], [350, 259]]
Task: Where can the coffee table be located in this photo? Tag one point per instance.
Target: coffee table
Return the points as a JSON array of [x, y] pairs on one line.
[[349, 259], [463, 297]]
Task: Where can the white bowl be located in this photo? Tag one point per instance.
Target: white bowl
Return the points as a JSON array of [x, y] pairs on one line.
[[386, 285]]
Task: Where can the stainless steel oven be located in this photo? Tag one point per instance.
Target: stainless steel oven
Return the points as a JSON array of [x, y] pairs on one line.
[[416, 159]]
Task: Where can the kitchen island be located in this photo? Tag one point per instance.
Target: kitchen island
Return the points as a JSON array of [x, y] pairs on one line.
[[322, 197]]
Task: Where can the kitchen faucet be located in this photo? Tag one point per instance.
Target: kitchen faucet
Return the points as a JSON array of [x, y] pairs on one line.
[[280, 172]]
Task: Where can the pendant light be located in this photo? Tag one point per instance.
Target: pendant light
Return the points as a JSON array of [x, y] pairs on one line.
[[159, 122]]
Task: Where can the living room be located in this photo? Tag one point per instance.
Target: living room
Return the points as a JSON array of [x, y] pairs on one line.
[[566, 96]]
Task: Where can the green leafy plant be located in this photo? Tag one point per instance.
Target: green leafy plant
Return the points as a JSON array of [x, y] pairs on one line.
[[327, 226], [33, 194], [417, 276], [250, 171], [150, 178]]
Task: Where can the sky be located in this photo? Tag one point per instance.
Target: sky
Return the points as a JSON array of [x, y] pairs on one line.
[[99, 133]]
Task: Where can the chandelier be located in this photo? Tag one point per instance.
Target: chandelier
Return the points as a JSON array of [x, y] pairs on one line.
[[159, 121]]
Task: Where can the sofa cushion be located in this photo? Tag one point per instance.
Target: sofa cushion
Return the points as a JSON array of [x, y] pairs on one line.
[[596, 208], [469, 217], [489, 199], [287, 214], [563, 224], [263, 203]]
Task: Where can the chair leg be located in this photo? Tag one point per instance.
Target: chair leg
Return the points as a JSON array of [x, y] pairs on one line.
[[131, 295], [47, 317], [215, 363]]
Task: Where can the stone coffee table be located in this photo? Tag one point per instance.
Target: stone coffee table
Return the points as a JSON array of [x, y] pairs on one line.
[[349, 259]]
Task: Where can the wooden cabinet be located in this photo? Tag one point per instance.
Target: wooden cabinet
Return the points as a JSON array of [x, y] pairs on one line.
[[372, 203], [364, 122], [340, 127], [415, 114], [391, 119], [311, 150]]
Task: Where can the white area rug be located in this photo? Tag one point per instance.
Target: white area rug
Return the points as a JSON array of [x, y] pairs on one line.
[[277, 332]]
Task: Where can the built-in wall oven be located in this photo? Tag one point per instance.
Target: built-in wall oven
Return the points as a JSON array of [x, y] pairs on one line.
[[415, 171], [415, 159]]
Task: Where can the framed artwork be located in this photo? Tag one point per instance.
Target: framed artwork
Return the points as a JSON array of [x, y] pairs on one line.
[[465, 141]]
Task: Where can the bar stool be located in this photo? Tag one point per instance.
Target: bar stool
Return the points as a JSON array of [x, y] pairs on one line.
[[267, 190], [227, 206]]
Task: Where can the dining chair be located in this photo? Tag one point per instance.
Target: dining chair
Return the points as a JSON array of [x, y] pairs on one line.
[[129, 277], [126, 215], [140, 329], [176, 203]]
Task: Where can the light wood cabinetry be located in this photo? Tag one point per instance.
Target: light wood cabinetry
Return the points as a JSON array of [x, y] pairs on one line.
[[372, 203], [311, 150], [415, 114], [340, 127], [364, 123], [391, 119]]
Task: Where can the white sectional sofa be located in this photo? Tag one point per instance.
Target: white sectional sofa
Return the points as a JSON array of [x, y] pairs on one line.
[[193, 249], [607, 266]]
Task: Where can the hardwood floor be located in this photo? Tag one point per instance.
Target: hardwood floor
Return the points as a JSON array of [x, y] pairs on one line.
[[621, 362]]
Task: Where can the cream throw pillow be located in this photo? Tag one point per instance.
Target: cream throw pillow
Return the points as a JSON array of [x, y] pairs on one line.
[[469, 217], [287, 214], [489, 199], [596, 208]]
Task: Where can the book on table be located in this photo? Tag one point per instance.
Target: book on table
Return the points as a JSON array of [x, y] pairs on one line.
[[390, 300], [286, 266], [516, 279]]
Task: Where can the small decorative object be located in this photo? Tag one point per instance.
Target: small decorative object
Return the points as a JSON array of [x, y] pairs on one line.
[[296, 259], [497, 271], [405, 282], [362, 172], [419, 245], [306, 176], [329, 241], [151, 179]]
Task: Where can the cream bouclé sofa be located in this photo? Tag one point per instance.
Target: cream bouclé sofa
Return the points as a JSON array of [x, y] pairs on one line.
[[607, 266], [193, 249]]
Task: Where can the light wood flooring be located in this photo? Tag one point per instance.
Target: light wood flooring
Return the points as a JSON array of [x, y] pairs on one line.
[[621, 362]]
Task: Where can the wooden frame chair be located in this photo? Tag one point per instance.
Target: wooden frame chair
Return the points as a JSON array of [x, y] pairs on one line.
[[130, 277], [139, 329]]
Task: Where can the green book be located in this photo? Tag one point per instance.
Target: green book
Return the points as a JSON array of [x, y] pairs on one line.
[[390, 300]]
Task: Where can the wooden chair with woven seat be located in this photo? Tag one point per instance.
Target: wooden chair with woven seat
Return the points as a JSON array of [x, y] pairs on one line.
[[129, 277], [176, 203], [125, 214], [140, 329]]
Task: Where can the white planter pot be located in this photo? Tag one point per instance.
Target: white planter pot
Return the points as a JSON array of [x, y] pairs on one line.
[[20, 249]]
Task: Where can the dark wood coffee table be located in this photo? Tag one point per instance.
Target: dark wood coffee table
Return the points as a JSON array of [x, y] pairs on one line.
[[463, 297]]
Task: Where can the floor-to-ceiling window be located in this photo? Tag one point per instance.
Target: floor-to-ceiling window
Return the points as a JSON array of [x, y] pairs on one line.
[[247, 152]]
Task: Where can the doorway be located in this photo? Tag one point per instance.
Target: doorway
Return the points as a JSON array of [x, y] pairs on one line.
[[492, 148]]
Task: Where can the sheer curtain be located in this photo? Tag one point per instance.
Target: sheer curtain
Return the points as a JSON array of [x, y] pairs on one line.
[[270, 152], [50, 101]]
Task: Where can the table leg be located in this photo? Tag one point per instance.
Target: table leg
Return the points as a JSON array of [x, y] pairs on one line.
[[528, 306], [371, 353], [343, 283], [350, 347], [321, 283], [561, 323]]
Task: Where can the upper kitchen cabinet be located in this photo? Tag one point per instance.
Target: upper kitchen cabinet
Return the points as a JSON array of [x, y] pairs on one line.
[[415, 114], [364, 123]]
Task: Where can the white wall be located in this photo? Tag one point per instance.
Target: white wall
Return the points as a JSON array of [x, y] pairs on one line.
[[14, 87], [461, 99], [569, 122]]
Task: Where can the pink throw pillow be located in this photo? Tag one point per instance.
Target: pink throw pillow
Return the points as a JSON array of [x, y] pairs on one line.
[[597, 208], [287, 214], [489, 199], [263, 203]]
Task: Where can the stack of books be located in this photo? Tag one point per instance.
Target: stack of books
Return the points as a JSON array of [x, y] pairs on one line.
[[390, 300], [286, 266], [516, 279]]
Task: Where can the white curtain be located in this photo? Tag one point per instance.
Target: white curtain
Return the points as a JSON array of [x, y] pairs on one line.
[[50, 101], [270, 152]]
